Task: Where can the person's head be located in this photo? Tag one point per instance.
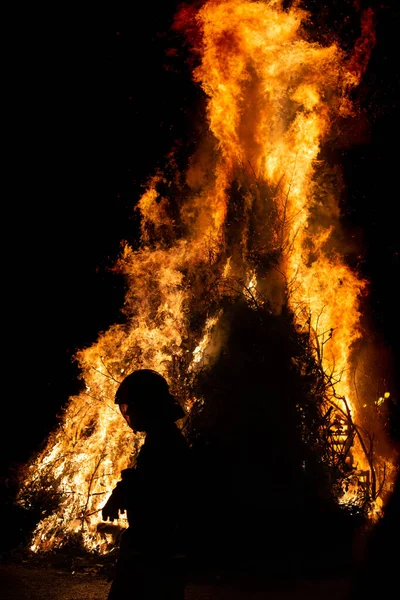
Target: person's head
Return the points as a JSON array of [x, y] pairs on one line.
[[145, 401]]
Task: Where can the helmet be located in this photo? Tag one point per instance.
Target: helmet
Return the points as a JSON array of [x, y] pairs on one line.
[[141, 382], [147, 392]]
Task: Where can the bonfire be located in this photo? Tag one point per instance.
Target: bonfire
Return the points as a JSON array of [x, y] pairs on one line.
[[239, 292]]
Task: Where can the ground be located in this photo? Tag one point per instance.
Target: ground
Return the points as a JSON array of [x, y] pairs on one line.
[[23, 582]]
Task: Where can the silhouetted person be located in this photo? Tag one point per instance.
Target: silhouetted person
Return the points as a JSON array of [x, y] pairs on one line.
[[152, 549]]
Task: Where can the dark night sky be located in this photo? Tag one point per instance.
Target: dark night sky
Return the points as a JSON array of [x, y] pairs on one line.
[[93, 111]]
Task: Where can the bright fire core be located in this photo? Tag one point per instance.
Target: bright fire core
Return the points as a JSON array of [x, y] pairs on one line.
[[273, 99]]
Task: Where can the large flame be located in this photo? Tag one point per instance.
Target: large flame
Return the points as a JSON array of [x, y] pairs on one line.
[[273, 97]]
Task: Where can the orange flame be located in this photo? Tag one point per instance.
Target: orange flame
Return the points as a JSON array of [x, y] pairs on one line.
[[272, 99]]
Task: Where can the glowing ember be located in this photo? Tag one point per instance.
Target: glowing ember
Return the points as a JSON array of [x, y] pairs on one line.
[[272, 98]]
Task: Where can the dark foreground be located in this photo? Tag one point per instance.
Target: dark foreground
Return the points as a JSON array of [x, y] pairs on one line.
[[22, 582]]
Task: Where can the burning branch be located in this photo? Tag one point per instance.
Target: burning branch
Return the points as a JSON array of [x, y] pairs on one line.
[[85, 514]]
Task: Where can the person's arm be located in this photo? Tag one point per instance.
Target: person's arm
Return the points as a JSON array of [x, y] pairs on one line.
[[118, 501]]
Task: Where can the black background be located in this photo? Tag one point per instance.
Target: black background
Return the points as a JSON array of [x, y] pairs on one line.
[[95, 103]]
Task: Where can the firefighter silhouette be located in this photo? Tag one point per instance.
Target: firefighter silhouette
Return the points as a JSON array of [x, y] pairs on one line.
[[152, 549]]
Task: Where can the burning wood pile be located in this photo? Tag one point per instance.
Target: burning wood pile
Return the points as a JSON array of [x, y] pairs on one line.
[[239, 294]]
